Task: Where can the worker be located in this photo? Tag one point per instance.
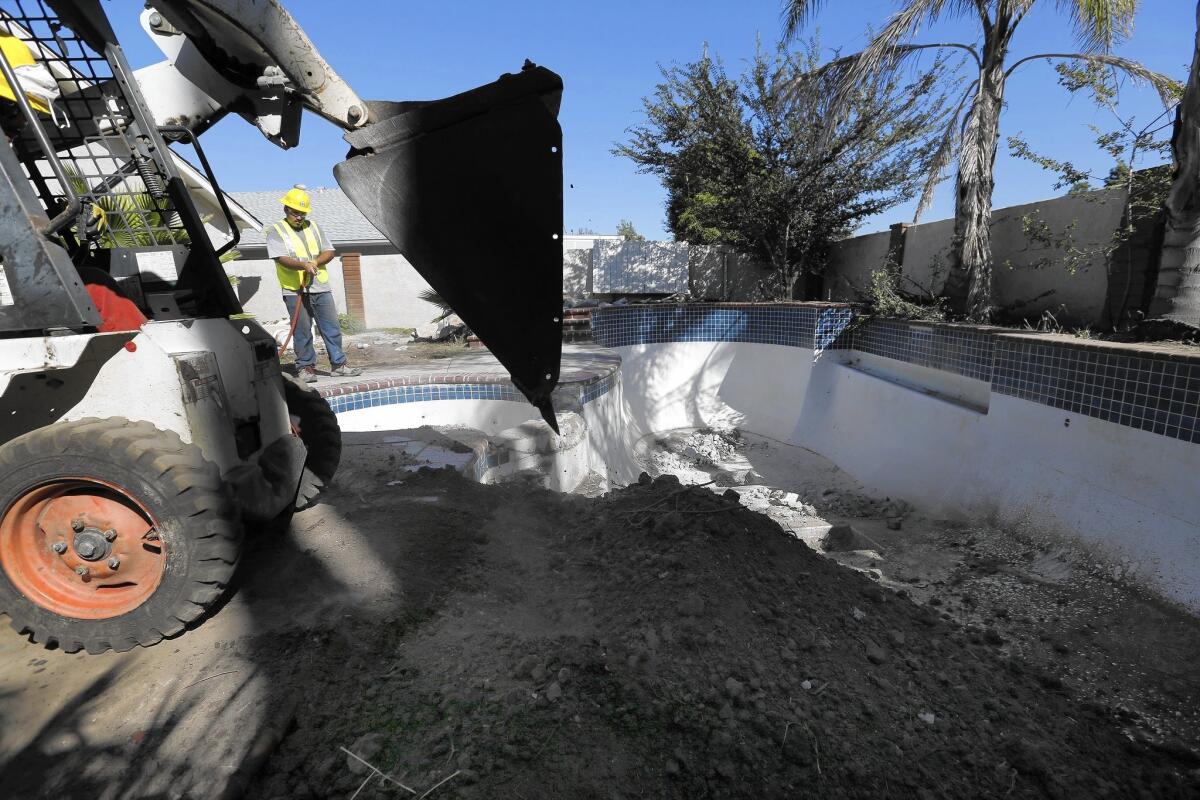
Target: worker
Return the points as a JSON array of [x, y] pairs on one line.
[[301, 251]]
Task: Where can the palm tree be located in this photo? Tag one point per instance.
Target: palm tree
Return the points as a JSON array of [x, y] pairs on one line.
[[1177, 296], [135, 218], [974, 130]]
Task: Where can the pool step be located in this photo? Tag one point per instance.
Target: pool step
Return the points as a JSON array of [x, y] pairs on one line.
[[532, 450]]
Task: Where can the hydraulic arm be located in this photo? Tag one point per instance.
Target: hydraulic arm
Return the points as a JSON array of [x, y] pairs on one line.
[[468, 188]]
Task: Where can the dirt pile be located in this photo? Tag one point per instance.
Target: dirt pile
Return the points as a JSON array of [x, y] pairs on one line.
[[665, 641]]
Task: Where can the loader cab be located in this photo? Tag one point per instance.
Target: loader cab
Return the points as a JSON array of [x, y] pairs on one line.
[[88, 186]]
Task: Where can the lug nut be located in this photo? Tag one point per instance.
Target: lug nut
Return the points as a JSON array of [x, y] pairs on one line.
[[110, 534], [81, 571], [114, 562], [77, 525], [59, 547]]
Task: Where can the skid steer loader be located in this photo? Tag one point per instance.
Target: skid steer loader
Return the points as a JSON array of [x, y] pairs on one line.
[[143, 424]]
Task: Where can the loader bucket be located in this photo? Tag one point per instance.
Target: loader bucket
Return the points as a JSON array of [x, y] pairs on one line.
[[469, 189]]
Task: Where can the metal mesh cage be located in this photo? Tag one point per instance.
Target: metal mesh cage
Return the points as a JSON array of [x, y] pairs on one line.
[[103, 156]]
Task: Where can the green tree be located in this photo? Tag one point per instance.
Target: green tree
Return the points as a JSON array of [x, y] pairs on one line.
[[974, 131], [749, 162], [625, 228], [1177, 296]]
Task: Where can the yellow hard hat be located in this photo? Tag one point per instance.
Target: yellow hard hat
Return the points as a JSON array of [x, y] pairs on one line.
[[18, 54], [297, 198]]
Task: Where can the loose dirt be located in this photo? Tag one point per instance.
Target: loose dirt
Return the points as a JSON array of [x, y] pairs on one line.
[[419, 635], [667, 641], [383, 349]]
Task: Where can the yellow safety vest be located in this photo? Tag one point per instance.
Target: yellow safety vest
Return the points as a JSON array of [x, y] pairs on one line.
[[18, 54], [305, 249]]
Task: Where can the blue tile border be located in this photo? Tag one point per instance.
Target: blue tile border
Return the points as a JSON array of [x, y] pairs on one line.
[[1157, 395], [1135, 386], [818, 327], [961, 349], [423, 393], [569, 396], [1155, 391]]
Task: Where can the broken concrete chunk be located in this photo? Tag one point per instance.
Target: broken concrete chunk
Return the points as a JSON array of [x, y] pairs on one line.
[[441, 330], [845, 538]]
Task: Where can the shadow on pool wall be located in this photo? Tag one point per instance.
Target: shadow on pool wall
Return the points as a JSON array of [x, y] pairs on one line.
[[940, 444]]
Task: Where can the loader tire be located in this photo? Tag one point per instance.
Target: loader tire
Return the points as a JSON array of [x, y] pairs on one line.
[[113, 534], [320, 433]]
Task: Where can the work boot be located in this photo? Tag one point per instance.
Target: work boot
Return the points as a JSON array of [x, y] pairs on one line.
[[345, 370], [308, 375]]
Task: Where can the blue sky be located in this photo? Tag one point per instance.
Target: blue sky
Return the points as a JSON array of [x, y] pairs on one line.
[[609, 56]]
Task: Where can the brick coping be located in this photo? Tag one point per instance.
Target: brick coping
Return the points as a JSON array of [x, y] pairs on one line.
[[1169, 352]]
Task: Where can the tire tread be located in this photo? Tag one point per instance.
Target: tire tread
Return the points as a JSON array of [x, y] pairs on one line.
[[200, 505]]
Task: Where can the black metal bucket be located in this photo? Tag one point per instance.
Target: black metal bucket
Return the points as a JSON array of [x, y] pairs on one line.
[[469, 189]]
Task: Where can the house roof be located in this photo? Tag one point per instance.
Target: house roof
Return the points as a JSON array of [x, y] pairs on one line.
[[332, 210], [197, 183]]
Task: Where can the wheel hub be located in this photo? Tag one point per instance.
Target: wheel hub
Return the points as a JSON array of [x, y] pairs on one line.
[[90, 545], [82, 548]]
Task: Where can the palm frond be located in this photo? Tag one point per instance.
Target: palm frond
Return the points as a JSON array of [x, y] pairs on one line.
[[1100, 24], [886, 51], [433, 298], [797, 14], [944, 154], [1169, 90]]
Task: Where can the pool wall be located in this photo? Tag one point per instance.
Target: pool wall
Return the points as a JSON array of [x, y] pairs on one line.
[[1094, 442], [1057, 436]]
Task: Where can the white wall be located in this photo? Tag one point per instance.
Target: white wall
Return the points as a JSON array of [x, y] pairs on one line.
[[577, 273], [639, 267], [390, 289]]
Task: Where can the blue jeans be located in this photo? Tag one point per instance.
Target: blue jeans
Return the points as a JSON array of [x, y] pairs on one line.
[[318, 306]]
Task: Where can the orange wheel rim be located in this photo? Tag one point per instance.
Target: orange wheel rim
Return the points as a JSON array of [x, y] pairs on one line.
[[82, 548]]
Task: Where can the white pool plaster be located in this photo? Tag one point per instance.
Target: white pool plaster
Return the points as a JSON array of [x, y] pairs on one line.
[[945, 443]]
